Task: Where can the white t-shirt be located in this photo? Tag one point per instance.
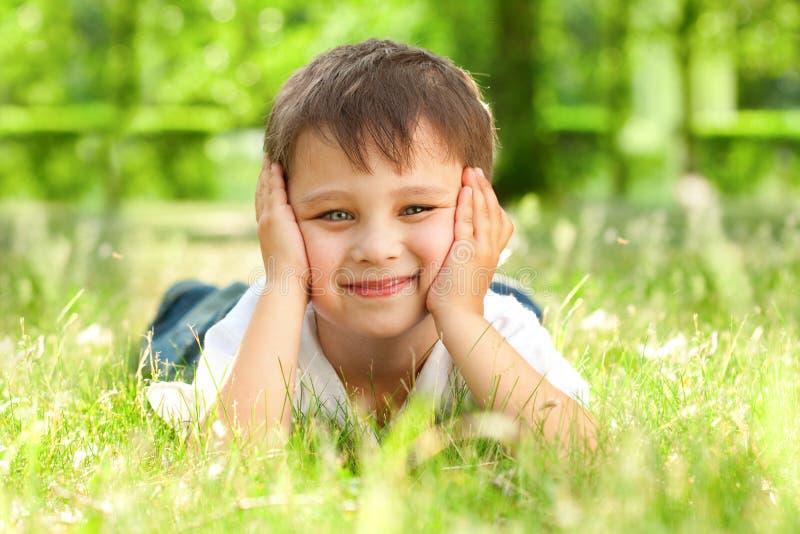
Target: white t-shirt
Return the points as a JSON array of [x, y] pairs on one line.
[[318, 388]]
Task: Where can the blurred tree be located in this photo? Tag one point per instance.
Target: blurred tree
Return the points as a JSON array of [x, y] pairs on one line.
[[768, 53], [685, 36], [523, 154], [111, 98], [123, 74], [614, 16]]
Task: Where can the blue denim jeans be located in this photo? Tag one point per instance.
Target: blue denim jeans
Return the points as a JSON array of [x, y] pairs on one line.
[[189, 308]]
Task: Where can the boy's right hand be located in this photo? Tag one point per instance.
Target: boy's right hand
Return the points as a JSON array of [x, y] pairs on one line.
[[282, 247]]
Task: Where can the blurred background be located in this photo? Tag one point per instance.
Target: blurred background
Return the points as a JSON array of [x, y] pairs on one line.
[[104, 100]]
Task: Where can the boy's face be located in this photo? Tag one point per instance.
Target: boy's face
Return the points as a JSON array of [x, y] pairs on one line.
[[375, 242]]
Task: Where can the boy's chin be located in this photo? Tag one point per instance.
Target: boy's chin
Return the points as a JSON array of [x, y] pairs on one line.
[[376, 326]]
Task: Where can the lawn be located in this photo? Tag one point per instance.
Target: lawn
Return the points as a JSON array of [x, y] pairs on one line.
[[683, 319]]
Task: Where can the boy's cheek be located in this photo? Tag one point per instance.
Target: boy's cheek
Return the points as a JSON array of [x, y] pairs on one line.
[[440, 249]]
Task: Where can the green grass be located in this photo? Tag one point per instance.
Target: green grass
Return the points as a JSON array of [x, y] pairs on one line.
[[686, 329]]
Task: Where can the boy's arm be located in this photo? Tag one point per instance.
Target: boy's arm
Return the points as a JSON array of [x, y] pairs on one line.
[[257, 395], [497, 375], [501, 380]]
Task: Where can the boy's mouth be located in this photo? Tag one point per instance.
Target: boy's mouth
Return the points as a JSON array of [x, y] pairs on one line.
[[384, 287]]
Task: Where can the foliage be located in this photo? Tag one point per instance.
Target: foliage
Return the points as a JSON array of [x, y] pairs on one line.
[[108, 89]]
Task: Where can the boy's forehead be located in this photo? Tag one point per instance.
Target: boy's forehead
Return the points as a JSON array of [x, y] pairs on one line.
[[313, 143]]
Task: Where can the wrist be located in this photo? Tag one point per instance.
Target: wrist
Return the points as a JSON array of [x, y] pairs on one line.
[[454, 317], [285, 286], [283, 274]]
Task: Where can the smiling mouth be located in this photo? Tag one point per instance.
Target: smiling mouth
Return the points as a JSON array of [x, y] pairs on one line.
[[380, 288]]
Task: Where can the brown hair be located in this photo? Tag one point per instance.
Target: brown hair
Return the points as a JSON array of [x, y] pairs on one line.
[[378, 91]]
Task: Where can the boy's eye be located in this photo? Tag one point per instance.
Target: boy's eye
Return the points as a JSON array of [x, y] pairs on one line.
[[336, 216], [413, 210]]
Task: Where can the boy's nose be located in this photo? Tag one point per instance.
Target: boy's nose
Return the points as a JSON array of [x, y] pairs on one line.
[[377, 243]]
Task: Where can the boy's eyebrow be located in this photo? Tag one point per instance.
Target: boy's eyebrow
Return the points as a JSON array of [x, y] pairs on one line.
[[320, 196], [410, 190]]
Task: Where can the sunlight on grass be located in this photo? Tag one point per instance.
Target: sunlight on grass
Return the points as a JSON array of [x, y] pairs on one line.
[[686, 332]]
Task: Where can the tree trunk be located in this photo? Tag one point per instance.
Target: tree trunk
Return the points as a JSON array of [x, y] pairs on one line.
[[685, 35], [522, 160], [123, 71], [618, 91]]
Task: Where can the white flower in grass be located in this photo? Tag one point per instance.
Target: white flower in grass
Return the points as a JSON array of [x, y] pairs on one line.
[[6, 345], [95, 335], [82, 454], [672, 346], [70, 516], [9, 403], [219, 429], [767, 488], [215, 470], [600, 320], [757, 333]]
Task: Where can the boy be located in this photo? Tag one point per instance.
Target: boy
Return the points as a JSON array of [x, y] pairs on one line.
[[380, 234]]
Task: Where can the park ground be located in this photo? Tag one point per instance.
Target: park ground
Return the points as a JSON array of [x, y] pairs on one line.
[[683, 319]]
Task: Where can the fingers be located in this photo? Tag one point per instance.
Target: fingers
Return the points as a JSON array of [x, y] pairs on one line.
[[492, 225], [277, 186], [482, 220], [464, 214], [270, 190], [493, 209], [261, 187]]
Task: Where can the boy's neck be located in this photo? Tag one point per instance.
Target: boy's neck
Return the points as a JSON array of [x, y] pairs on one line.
[[378, 373]]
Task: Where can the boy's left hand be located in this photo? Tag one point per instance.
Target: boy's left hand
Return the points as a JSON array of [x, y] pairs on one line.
[[482, 230]]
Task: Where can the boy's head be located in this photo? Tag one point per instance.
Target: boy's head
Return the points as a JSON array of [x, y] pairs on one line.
[[374, 94]]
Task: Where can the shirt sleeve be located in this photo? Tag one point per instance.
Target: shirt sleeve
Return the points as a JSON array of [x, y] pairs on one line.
[[521, 328], [183, 405]]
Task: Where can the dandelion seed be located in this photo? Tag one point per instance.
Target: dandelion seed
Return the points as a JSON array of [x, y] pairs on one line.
[[116, 256], [219, 429], [567, 512], [564, 236], [37, 351], [9, 403], [215, 470], [622, 241], [671, 346], [714, 343], [70, 516], [757, 333], [274, 453], [277, 499], [18, 510], [82, 454], [600, 320], [95, 335], [350, 506], [78, 458], [103, 506]]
